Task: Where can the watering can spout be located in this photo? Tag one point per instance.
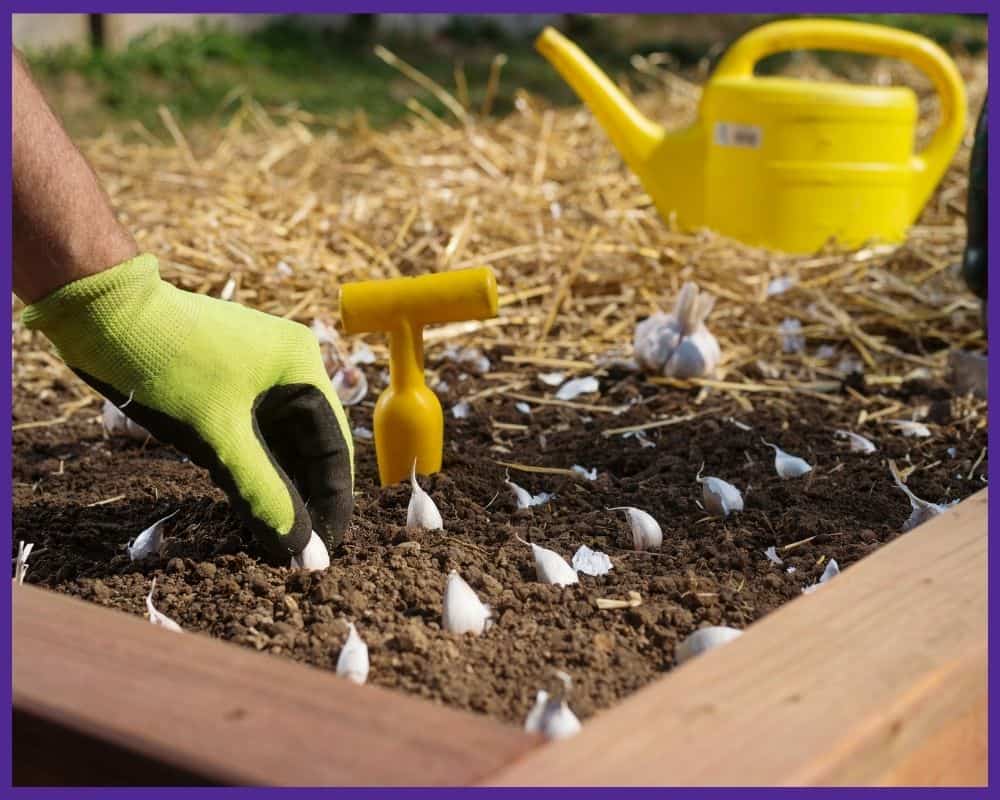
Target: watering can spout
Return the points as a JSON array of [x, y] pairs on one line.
[[633, 135]]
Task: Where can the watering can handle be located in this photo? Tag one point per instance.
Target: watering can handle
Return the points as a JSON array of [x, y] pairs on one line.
[[860, 37]]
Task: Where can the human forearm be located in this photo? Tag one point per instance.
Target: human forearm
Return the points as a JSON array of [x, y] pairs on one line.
[[63, 225]]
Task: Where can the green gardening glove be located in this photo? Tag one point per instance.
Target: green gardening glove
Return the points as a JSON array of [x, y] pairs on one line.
[[242, 393]]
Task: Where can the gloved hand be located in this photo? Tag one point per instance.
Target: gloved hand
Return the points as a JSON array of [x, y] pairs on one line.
[[242, 393]]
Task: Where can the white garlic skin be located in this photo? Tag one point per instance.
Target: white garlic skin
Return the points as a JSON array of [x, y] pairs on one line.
[[314, 557], [832, 570], [720, 497], [422, 511], [352, 663], [150, 541], [551, 718], [646, 531], [921, 510], [704, 639], [591, 562], [463, 612]]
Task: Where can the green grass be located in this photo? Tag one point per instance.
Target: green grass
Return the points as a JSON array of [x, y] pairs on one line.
[[334, 73]]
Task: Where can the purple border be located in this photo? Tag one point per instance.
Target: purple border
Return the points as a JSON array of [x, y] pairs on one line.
[[478, 6]]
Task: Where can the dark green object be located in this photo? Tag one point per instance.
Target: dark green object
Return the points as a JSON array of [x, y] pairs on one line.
[[974, 262]]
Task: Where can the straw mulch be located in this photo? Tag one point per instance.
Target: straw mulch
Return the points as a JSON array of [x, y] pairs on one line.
[[285, 209]]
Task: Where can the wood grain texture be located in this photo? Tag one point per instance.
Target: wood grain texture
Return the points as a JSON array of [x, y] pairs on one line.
[[877, 678], [105, 698]]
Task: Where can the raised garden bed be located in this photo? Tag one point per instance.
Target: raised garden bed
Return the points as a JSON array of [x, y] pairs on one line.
[[879, 676]]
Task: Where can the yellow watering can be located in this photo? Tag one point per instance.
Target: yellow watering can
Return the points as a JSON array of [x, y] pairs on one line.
[[780, 162]]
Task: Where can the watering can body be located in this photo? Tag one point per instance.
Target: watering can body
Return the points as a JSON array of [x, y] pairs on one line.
[[785, 163]]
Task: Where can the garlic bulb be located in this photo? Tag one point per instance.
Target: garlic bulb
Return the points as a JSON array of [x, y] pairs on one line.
[[464, 612], [352, 663], [646, 531], [158, 617], [422, 512], [921, 510], [719, 497], [551, 717], [350, 384], [858, 443], [21, 563], [116, 423], [678, 344], [832, 571], [591, 562], [703, 640], [550, 567], [314, 557], [787, 465], [150, 541]]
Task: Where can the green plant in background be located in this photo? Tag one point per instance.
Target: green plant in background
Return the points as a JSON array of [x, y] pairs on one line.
[[334, 73]]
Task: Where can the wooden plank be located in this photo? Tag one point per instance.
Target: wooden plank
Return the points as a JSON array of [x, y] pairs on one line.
[[879, 677], [103, 697]]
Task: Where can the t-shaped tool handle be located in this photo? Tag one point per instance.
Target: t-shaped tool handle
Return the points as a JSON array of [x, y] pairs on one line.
[[408, 420]]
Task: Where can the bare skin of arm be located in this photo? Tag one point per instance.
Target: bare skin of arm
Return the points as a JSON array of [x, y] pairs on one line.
[[63, 225]]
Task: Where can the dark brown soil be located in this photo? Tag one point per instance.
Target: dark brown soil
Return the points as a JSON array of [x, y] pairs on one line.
[[390, 580]]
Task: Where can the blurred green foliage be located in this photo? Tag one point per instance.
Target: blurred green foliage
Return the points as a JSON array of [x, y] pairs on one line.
[[333, 73]]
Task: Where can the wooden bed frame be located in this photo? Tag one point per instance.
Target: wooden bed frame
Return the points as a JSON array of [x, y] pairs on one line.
[[880, 678]]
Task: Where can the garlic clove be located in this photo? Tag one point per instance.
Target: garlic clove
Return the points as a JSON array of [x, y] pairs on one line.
[[463, 612], [550, 567], [150, 541], [591, 562], [422, 512], [229, 290], [117, 423], [787, 465], [350, 384], [552, 718], [703, 640], [574, 388], [314, 557], [696, 356], [908, 427], [646, 531], [526, 499], [352, 663], [158, 617], [460, 410], [589, 474], [363, 434], [772, 555], [832, 571], [552, 378], [524, 408], [719, 497], [655, 340], [858, 443], [921, 510], [21, 563]]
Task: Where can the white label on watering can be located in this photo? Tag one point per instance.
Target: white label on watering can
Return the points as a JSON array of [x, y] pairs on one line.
[[732, 134]]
